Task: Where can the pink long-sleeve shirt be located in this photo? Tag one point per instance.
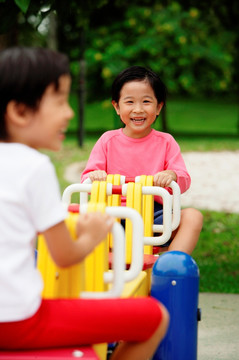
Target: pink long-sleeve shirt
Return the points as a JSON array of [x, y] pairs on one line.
[[116, 153]]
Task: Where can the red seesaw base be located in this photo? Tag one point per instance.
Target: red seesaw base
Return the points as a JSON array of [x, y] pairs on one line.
[[85, 353]]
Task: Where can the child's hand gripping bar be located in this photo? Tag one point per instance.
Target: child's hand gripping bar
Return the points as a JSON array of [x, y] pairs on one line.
[[171, 206], [119, 241]]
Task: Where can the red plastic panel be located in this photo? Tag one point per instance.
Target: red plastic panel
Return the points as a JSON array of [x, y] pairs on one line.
[[85, 353]]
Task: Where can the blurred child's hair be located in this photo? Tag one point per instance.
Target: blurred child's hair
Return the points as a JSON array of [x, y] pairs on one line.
[[25, 74], [139, 73]]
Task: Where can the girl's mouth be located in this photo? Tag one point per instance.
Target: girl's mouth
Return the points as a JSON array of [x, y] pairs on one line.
[[138, 120], [62, 133]]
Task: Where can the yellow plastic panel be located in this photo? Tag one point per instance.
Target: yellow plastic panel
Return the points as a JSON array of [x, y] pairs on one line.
[[113, 200], [75, 274], [102, 192], [136, 287], [101, 258], [60, 282], [95, 191], [143, 183], [101, 350], [128, 224], [138, 198]]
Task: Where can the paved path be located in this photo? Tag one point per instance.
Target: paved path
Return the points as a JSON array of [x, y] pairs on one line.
[[218, 331], [215, 181]]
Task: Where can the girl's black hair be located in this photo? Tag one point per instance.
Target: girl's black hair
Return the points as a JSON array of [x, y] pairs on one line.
[[139, 73], [25, 74]]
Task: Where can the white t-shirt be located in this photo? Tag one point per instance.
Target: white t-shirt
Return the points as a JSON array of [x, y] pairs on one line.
[[30, 203]]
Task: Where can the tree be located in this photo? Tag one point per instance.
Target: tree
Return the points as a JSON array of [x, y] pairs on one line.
[[72, 19], [181, 45], [192, 45]]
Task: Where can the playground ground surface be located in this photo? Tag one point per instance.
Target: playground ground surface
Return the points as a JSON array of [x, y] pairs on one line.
[[215, 186], [218, 330]]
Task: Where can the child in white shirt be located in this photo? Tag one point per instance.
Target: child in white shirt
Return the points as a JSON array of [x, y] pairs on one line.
[[34, 114]]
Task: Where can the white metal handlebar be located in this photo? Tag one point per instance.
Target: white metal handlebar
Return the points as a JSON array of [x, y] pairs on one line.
[[117, 275], [171, 208], [137, 240], [119, 243]]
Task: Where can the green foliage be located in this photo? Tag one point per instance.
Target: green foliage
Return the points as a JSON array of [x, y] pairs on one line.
[[192, 45], [23, 4], [23, 18], [191, 51]]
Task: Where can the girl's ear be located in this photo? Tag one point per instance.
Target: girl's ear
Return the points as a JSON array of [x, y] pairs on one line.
[[17, 113], [159, 107], [116, 106]]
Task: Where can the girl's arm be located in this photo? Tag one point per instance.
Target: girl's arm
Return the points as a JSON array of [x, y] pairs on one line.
[[91, 229], [96, 166], [174, 162]]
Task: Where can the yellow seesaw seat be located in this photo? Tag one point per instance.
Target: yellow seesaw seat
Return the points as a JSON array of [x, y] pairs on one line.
[[70, 282], [88, 279], [93, 277]]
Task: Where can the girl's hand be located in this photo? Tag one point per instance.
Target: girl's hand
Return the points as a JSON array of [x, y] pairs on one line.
[[164, 178], [98, 175], [92, 228]]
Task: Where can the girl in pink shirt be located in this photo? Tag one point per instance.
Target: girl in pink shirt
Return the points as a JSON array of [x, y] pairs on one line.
[[138, 96]]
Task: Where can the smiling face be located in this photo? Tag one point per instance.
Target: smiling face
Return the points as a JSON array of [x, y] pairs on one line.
[[137, 108]]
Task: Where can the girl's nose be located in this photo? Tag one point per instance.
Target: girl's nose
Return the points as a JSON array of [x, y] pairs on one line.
[[69, 112], [138, 108]]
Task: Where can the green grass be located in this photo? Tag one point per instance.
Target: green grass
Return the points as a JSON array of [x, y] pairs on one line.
[[197, 125], [203, 116], [187, 116], [217, 251]]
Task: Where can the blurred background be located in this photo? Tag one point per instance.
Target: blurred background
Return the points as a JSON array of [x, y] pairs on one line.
[[194, 47]]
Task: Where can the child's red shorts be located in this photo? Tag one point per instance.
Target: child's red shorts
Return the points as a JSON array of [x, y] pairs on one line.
[[75, 322]]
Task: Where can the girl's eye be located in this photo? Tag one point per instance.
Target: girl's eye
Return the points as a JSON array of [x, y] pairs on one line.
[[146, 101]]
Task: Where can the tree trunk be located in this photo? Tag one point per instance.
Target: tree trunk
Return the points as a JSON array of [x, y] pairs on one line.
[[52, 41], [81, 92], [164, 119], [9, 39]]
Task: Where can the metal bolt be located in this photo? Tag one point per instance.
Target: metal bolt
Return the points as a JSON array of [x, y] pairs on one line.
[[77, 354]]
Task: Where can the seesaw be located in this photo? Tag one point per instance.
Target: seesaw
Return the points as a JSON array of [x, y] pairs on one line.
[[120, 266]]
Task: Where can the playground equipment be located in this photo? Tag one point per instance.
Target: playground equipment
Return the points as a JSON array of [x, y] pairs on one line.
[[122, 264], [139, 193], [175, 282]]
